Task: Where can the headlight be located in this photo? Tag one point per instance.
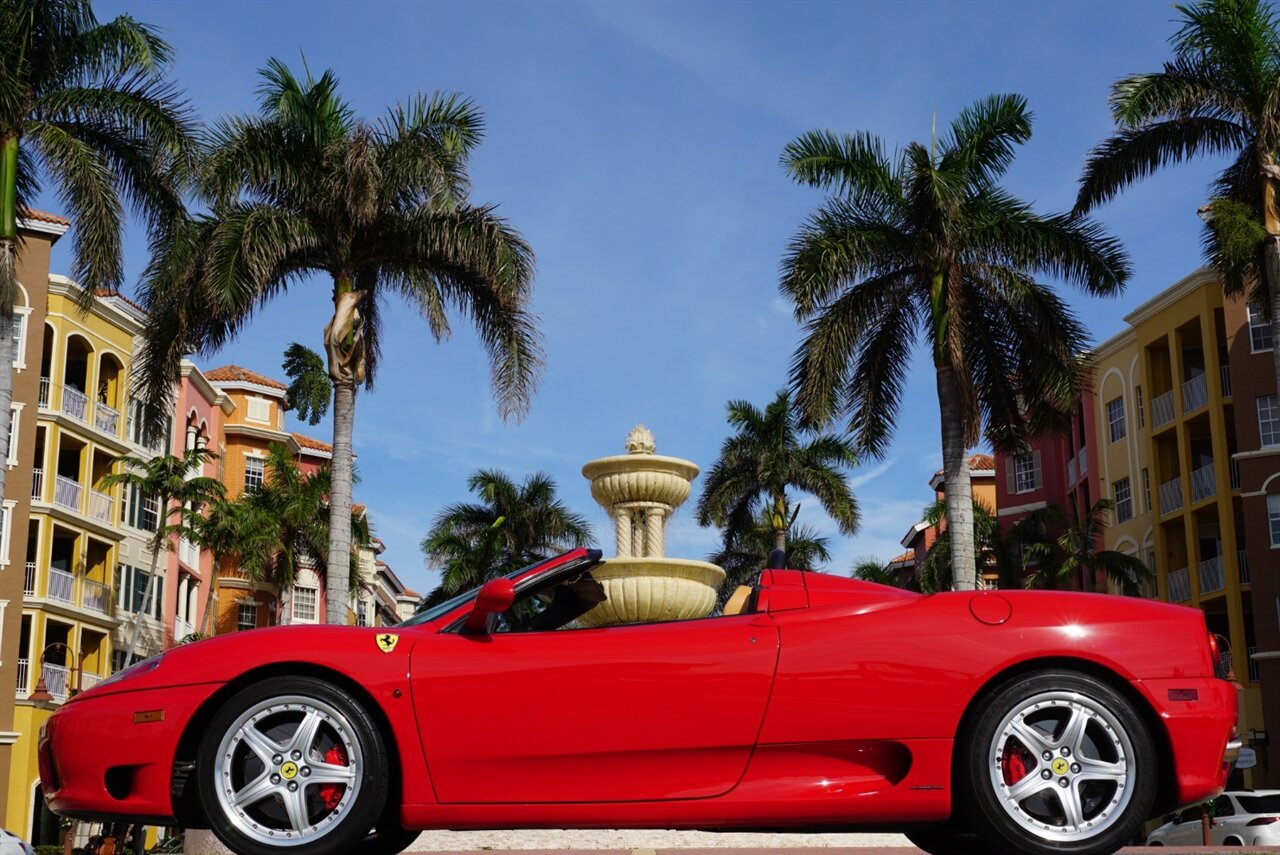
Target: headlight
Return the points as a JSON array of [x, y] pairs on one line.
[[146, 666]]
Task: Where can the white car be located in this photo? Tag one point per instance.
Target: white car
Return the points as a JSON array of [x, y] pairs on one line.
[[12, 844], [1240, 818]]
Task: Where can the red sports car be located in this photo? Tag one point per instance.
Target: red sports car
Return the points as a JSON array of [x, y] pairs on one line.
[[1029, 722]]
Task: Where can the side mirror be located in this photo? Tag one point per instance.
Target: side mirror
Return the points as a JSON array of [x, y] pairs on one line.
[[495, 597]]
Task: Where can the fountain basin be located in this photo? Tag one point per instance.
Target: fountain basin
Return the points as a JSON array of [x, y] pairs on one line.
[[640, 478], [646, 590]]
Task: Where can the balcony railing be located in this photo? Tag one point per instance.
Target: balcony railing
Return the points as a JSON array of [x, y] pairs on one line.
[[37, 484], [106, 419], [62, 586], [74, 403], [55, 680], [29, 580], [44, 393], [1203, 483], [1171, 496], [100, 505], [24, 679], [1235, 473], [88, 681], [1195, 394], [1179, 586], [96, 596], [1212, 577], [189, 553], [1162, 412], [66, 492], [1242, 559], [1253, 663], [1226, 381]]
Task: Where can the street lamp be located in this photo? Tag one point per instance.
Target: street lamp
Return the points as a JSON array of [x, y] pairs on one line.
[[41, 694]]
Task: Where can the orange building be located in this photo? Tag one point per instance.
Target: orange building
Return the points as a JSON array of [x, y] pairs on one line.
[[921, 536]]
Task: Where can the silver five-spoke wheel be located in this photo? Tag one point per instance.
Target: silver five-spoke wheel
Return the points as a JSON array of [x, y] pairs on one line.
[[287, 769]]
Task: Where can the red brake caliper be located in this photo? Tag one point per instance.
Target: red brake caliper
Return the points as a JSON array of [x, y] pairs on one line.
[[1015, 762], [331, 794]]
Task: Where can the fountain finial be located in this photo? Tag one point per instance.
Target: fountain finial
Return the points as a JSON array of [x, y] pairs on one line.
[[641, 441]]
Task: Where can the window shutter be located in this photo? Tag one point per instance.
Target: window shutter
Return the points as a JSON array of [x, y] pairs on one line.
[[1010, 469], [1035, 462]]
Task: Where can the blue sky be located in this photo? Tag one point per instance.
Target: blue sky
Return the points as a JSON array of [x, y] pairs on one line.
[[636, 146]]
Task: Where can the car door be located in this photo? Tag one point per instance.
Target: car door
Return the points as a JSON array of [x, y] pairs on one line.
[[625, 713], [1226, 820]]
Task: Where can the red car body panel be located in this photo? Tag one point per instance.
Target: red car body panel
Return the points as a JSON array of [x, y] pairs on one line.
[[833, 702]]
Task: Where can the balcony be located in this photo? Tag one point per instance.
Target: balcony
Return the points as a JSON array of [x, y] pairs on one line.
[[1195, 394], [1171, 496], [24, 679], [62, 586], [189, 553], [100, 505], [88, 681], [95, 596], [1162, 410], [1179, 586], [55, 680], [74, 403], [66, 492], [29, 580], [1226, 381], [1203, 484], [1242, 557], [1212, 577], [106, 419], [44, 393], [37, 484]]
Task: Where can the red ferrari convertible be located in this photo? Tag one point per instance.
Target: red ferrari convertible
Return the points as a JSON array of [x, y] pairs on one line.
[[1029, 722]]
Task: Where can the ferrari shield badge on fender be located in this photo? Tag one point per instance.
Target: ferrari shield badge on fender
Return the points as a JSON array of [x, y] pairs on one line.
[[387, 642]]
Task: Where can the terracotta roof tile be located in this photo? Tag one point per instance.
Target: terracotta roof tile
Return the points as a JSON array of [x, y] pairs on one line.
[[982, 461], [313, 444], [236, 374], [107, 292], [904, 557], [43, 217], [409, 592]]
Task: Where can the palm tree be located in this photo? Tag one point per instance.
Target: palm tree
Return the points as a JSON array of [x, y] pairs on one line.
[[872, 569], [83, 106], [310, 386], [1066, 549], [924, 243], [513, 525], [1216, 96], [992, 549], [294, 510], [767, 455], [180, 493], [745, 549], [231, 530], [380, 209]]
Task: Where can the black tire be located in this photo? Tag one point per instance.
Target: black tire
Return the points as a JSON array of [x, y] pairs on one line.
[[1088, 739], [947, 839], [243, 791]]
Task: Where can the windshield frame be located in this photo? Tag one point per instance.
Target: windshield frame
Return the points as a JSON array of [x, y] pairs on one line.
[[530, 571]]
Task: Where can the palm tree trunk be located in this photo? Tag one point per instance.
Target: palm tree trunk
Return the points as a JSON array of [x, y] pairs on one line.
[[955, 474], [148, 590], [210, 626], [339, 564], [780, 522]]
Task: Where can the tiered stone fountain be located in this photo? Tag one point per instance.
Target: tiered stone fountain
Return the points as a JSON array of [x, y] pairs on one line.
[[640, 490]]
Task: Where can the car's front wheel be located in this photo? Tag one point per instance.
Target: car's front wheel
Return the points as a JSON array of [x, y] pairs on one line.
[[1059, 763], [293, 764]]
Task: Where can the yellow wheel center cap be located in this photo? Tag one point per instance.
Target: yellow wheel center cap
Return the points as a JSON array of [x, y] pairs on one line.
[[289, 771], [1059, 767]]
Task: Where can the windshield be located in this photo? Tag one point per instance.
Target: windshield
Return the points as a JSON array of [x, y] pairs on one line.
[[429, 614], [1260, 804]]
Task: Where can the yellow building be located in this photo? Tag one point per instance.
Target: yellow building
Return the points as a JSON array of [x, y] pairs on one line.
[[86, 554], [1166, 424]]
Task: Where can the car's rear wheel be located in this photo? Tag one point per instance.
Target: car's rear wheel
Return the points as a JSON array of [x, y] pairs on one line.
[[1058, 762], [294, 765]]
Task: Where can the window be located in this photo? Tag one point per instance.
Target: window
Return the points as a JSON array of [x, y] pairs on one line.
[[1273, 516], [1115, 418], [304, 604], [259, 410], [136, 588], [1142, 414], [1259, 331], [137, 421], [1024, 469], [6, 514], [254, 470], [1123, 499], [1146, 487], [1268, 420], [20, 337], [141, 512], [11, 450], [246, 616]]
